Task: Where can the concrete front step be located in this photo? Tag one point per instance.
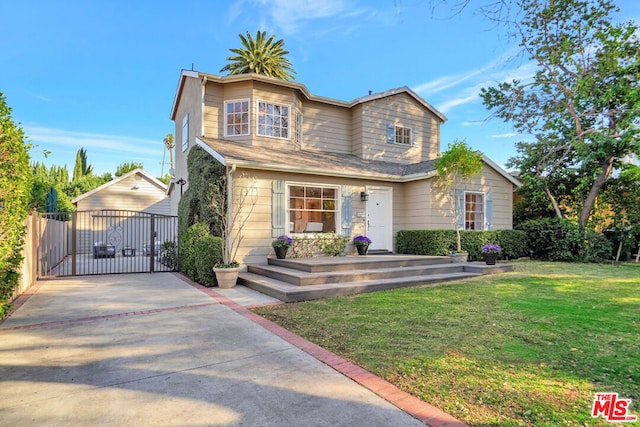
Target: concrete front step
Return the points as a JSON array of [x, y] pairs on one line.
[[291, 293], [303, 278], [357, 262]]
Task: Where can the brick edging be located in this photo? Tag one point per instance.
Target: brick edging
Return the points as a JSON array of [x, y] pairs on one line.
[[426, 413]]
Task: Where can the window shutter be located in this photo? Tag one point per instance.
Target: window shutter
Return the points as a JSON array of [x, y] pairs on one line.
[[346, 210], [278, 211], [489, 213], [391, 133], [413, 136], [459, 214]]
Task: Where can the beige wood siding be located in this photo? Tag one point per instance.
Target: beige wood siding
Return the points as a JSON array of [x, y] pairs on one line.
[[256, 243], [427, 203], [400, 110], [190, 102], [135, 193], [326, 128]]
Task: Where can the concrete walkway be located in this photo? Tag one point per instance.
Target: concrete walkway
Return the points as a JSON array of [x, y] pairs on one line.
[[157, 350]]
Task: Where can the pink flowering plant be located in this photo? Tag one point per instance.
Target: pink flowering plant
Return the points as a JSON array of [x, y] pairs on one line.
[[361, 241], [491, 249]]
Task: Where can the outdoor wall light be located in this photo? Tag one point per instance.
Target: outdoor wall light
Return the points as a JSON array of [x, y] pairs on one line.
[[364, 196], [181, 182]]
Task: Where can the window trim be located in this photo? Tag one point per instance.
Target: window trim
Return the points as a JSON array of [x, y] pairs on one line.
[[395, 135], [289, 109], [226, 116], [338, 209], [483, 223]]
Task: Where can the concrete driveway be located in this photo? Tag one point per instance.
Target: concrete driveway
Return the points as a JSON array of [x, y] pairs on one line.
[[155, 350]]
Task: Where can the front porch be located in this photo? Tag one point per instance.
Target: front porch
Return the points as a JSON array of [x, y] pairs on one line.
[[300, 279]]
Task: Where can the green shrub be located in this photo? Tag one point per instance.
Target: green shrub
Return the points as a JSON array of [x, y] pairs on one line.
[[209, 252], [169, 254], [332, 244], [15, 191], [558, 239], [188, 254], [440, 242], [196, 202]]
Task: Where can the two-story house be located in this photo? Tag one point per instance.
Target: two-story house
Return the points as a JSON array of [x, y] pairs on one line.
[[323, 165]]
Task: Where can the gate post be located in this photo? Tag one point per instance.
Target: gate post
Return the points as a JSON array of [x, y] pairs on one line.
[[152, 258], [74, 224]]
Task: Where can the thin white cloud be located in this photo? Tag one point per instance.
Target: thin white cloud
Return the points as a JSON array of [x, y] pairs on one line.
[[45, 138], [504, 135], [41, 97], [290, 16], [447, 82]]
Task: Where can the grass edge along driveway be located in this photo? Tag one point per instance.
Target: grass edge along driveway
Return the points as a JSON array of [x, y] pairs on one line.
[[529, 347]]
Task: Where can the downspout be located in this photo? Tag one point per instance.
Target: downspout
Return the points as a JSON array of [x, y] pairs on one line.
[[229, 240]]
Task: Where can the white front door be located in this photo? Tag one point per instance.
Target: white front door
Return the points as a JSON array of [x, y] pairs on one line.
[[380, 218]]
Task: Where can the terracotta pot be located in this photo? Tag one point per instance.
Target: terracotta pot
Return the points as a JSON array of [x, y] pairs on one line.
[[226, 277], [281, 252], [362, 249]]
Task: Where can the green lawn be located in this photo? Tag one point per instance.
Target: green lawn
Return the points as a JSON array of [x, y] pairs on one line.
[[524, 348]]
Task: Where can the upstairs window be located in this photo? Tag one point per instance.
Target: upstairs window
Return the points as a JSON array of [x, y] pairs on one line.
[[185, 132], [273, 120], [399, 135], [474, 211], [236, 118]]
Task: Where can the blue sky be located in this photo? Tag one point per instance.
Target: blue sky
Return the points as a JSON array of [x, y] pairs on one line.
[[102, 74]]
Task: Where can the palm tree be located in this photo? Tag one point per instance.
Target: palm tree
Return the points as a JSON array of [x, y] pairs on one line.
[[261, 56]]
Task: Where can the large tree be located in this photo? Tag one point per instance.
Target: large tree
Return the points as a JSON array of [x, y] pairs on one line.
[[582, 104], [260, 56]]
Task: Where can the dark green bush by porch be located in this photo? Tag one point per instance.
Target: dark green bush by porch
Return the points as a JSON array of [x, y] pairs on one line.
[[558, 239], [208, 251], [188, 254], [440, 242]]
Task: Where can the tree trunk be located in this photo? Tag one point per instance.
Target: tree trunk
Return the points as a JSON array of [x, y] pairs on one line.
[[556, 208], [590, 201]]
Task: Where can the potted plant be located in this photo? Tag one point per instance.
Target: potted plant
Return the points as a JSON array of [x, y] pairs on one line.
[[362, 244], [490, 253], [459, 256], [281, 245]]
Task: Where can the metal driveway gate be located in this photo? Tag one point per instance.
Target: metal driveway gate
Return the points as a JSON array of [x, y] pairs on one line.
[[106, 241]]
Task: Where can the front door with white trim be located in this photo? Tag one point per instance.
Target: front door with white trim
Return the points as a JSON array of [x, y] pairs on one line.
[[380, 218]]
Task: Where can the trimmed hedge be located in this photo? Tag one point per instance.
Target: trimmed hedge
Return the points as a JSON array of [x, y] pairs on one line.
[[209, 252], [558, 239], [188, 239], [440, 242]]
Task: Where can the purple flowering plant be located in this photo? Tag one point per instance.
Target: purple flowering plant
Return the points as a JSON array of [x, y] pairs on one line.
[[282, 242], [361, 241], [491, 249]]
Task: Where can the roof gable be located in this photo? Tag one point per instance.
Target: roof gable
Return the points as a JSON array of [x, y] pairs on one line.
[[297, 86], [161, 186]]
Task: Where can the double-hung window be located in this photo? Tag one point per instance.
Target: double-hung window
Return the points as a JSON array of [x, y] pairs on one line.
[[403, 135], [474, 211], [273, 120], [313, 208], [236, 117], [399, 135]]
